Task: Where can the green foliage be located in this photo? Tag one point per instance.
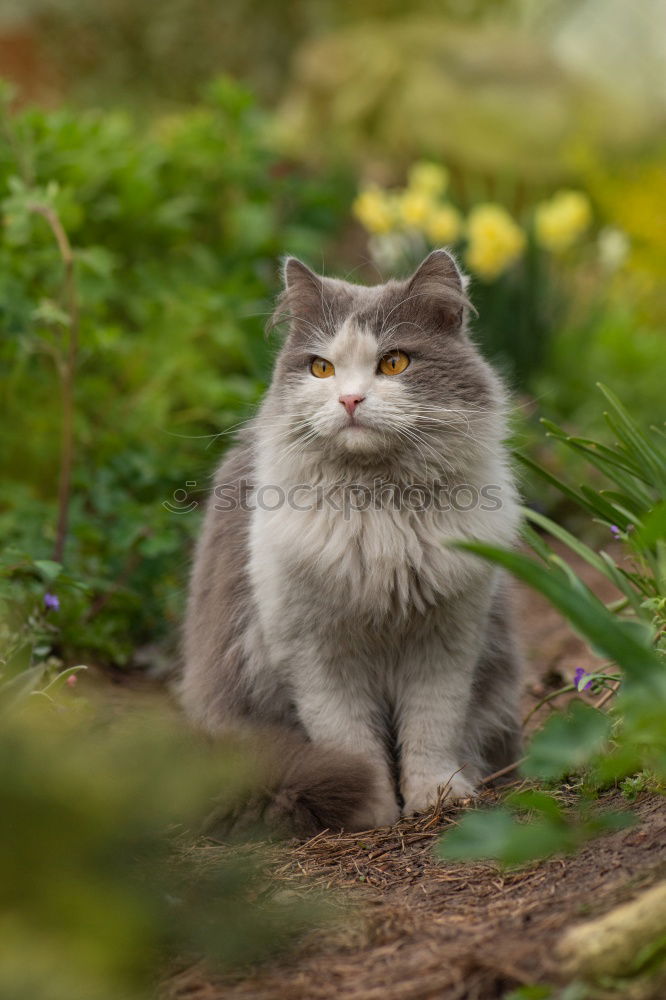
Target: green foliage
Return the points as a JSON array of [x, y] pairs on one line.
[[520, 314], [567, 743], [29, 628], [614, 346], [100, 887], [536, 992], [637, 784], [175, 230], [529, 830], [631, 633]]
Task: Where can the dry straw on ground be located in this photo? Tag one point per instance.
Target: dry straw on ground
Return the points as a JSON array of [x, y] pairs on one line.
[[412, 927]]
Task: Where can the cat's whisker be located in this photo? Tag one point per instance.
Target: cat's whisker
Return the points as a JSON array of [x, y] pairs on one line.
[[412, 436], [299, 445]]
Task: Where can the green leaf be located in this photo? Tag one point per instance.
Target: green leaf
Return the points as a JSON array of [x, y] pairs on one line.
[[653, 527], [633, 437], [50, 313], [613, 458], [536, 542], [12, 692], [496, 835], [605, 567], [615, 464], [616, 764], [533, 800], [483, 833], [567, 742], [554, 481], [629, 480], [49, 569], [608, 511], [587, 614]]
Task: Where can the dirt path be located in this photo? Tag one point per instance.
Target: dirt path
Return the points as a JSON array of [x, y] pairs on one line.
[[435, 930], [427, 929]]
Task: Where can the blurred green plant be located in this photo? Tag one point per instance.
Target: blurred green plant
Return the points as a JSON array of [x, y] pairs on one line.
[[597, 749], [137, 267], [29, 630], [610, 345], [103, 891], [520, 268]]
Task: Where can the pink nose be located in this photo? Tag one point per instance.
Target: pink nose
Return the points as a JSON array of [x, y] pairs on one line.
[[351, 402]]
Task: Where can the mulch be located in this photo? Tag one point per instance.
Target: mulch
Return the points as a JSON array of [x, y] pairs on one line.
[[413, 927]]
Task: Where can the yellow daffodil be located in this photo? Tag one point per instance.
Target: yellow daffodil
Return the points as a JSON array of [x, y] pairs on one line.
[[561, 221], [495, 241], [415, 208], [428, 178], [444, 225], [374, 208]]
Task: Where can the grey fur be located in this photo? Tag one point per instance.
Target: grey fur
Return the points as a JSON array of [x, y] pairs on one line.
[[359, 631]]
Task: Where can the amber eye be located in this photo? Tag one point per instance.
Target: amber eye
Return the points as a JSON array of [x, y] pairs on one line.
[[322, 368], [393, 363]]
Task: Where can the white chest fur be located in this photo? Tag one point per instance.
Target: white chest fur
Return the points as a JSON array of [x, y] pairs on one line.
[[377, 555]]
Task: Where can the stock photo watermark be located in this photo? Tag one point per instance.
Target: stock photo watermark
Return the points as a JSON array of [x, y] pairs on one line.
[[348, 498]]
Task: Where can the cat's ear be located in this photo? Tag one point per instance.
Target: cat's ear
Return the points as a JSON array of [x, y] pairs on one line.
[[439, 287], [295, 274], [303, 293]]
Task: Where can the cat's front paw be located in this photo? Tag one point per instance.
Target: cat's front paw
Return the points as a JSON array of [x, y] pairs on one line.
[[423, 793]]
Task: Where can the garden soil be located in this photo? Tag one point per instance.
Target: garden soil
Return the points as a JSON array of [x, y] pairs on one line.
[[413, 927]]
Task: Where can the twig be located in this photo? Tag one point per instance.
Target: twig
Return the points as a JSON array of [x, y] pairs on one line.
[[67, 372], [502, 771], [607, 695]]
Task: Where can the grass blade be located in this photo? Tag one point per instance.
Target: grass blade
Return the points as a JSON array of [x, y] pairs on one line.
[[586, 613]]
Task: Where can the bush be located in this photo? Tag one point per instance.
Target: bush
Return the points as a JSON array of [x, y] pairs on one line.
[[102, 890], [152, 343]]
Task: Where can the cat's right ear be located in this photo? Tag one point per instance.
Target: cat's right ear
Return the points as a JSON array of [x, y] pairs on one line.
[[302, 297], [295, 274]]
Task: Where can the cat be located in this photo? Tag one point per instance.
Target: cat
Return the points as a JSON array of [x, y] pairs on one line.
[[375, 664]]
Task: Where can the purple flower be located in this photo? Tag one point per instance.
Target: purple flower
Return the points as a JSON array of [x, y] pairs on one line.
[[51, 602], [578, 677], [615, 531]]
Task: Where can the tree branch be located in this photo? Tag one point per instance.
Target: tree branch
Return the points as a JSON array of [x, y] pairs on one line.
[[67, 372]]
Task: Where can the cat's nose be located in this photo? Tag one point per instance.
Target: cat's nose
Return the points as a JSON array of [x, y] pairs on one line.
[[351, 402]]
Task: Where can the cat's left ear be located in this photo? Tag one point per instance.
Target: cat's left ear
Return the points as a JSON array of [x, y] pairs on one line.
[[439, 287]]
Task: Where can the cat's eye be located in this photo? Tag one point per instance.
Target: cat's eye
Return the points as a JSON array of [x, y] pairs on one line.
[[322, 368], [393, 363]]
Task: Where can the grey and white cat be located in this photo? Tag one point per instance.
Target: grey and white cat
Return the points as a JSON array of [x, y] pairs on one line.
[[325, 608]]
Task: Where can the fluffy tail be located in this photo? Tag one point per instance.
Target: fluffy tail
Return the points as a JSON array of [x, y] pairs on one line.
[[302, 789]]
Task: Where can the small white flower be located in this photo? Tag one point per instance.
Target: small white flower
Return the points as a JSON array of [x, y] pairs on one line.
[[612, 247]]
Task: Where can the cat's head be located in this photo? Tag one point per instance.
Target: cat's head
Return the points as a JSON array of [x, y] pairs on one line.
[[382, 369]]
